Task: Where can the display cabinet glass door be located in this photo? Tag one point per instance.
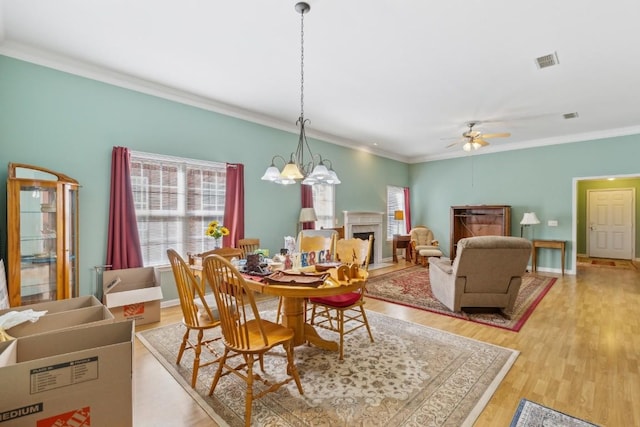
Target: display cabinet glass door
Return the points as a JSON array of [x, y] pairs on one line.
[[38, 244]]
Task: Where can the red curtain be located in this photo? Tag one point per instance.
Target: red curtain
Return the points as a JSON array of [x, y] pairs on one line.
[[234, 205], [123, 242], [306, 198], [407, 209]]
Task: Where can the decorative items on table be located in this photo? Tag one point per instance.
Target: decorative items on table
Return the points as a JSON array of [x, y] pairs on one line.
[[254, 263], [289, 244], [216, 231]]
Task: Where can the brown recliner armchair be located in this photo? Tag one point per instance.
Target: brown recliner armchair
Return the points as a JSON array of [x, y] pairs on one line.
[[487, 272]]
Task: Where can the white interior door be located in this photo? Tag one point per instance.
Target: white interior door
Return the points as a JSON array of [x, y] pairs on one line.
[[610, 218]]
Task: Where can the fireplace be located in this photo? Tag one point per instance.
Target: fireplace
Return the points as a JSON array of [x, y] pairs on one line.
[[365, 236], [366, 223]]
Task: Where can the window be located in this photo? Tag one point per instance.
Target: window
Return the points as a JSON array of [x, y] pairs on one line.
[[175, 200], [324, 205], [395, 202]]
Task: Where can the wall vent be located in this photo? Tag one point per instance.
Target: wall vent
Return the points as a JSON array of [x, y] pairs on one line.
[[547, 60], [570, 116]]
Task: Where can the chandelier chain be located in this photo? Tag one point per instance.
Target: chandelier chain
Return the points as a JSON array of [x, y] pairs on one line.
[[302, 65]]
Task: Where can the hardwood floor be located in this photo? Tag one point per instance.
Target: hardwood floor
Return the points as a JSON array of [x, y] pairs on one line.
[[579, 354]]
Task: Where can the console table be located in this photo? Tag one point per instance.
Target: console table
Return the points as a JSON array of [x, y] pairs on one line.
[[400, 241], [547, 244]]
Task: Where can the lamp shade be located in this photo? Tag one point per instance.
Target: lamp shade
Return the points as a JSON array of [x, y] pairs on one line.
[[307, 215], [529, 218], [398, 215]]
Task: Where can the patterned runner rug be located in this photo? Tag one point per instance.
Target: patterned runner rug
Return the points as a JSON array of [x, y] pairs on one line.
[[531, 414], [411, 287], [411, 375]]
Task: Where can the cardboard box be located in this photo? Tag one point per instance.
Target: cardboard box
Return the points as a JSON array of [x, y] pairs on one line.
[[68, 377], [59, 305], [133, 293], [81, 317]]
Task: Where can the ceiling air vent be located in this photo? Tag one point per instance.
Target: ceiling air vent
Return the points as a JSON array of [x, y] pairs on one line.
[[547, 60], [570, 116]]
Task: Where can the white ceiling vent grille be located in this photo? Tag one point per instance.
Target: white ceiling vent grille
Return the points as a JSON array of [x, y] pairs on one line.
[[570, 116], [547, 60]]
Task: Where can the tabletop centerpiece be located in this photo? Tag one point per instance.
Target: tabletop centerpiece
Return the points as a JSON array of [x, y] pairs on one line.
[[216, 231]]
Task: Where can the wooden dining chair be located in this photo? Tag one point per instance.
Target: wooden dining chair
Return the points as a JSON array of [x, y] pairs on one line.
[[244, 332], [248, 246], [358, 251], [228, 253], [315, 243], [191, 295], [312, 243], [338, 311]]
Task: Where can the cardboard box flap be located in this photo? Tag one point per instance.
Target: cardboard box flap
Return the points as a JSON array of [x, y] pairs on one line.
[[59, 305], [118, 299], [8, 353], [73, 340], [128, 279], [63, 319]]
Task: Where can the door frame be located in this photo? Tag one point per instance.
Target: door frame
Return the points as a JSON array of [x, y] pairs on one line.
[[574, 212]]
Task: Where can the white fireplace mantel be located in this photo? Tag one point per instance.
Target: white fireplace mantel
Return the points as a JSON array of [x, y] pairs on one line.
[[363, 222]]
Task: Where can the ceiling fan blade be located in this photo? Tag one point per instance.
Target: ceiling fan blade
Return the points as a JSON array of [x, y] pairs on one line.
[[453, 144], [496, 135], [480, 142]]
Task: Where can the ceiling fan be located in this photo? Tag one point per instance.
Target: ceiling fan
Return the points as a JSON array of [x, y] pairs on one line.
[[473, 139]]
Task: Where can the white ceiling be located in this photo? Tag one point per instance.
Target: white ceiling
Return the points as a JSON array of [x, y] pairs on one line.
[[396, 77]]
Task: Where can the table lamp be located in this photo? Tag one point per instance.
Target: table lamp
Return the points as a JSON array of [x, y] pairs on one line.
[[307, 215], [398, 216], [528, 219]]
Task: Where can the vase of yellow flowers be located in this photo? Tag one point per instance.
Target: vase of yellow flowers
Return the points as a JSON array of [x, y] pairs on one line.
[[216, 231]]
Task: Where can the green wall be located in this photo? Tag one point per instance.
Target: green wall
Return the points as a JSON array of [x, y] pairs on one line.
[[585, 185], [536, 179], [70, 124]]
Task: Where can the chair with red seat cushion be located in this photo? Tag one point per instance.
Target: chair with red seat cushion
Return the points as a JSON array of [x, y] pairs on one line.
[[336, 311]]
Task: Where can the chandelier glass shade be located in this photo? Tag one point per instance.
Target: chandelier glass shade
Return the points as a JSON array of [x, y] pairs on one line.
[[303, 164]]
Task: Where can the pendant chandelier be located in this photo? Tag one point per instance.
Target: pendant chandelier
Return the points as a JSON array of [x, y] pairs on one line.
[[303, 164]]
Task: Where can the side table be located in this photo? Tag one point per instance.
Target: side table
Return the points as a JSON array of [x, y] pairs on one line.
[[548, 244], [400, 241]]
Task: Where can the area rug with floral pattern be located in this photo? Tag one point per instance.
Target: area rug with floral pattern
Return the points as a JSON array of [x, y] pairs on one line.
[[412, 375], [411, 287]]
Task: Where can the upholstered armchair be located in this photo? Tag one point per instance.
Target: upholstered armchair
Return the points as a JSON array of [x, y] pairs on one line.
[[422, 245], [487, 272]]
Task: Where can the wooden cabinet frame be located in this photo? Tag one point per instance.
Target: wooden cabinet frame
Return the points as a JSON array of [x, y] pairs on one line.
[[42, 232], [478, 220]]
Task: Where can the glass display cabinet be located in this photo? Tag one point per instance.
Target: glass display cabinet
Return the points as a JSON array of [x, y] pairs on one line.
[[42, 232]]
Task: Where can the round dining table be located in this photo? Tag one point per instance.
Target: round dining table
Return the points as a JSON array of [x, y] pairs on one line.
[[293, 304], [294, 296]]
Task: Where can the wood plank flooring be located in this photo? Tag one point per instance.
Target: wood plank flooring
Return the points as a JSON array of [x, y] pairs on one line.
[[580, 354]]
